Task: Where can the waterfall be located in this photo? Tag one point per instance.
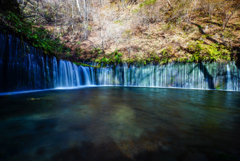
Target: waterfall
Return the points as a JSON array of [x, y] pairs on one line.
[[86, 75], [229, 79], [23, 67], [178, 75], [69, 74]]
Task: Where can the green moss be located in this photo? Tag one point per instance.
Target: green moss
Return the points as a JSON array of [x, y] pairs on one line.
[[147, 3], [37, 36], [218, 86], [120, 22], [85, 65], [212, 52], [135, 11], [114, 57]]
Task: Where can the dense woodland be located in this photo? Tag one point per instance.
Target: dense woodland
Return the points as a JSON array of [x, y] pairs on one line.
[[114, 31]]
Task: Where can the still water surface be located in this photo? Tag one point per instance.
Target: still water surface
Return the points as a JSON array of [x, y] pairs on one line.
[[118, 123]]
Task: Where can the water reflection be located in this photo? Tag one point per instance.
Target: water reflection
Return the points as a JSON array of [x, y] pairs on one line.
[[116, 123], [124, 126]]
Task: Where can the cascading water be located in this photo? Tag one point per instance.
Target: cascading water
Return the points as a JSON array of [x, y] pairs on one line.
[[181, 75], [86, 75], [69, 74], [229, 79], [23, 67]]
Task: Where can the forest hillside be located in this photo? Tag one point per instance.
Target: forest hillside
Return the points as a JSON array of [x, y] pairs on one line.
[[143, 31]]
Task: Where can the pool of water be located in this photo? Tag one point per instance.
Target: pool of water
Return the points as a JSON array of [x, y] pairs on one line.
[[120, 123]]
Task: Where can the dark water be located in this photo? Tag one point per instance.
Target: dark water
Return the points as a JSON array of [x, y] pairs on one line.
[[117, 123]]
